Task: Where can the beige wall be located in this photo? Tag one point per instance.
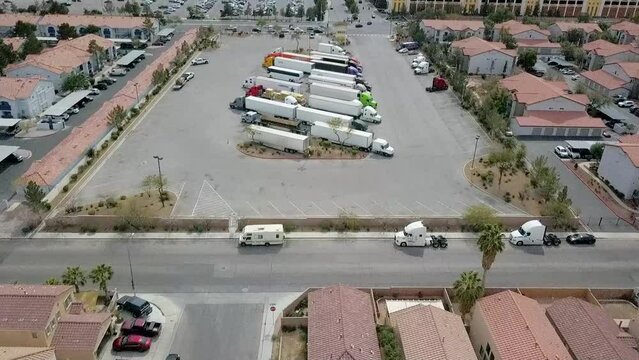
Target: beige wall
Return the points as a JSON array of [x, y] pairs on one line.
[[68, 354], [633, 329], [479, 334]]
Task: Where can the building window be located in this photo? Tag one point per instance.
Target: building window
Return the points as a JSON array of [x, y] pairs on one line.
[[67, 301], [34, 335], [51, 31], [107, 33], [137, 33]]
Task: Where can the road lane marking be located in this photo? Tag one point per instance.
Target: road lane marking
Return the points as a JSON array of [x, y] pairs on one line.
[[444, 205], [426, 207], [366, 212]]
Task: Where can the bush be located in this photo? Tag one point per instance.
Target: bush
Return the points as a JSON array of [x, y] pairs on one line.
[[164, 196], [507, 197], [100, 203], [90, 153], [111, 203], [289, 228], [65, 188], [123, 197], [89, 229], [134, 112], [74, 177], [388, 341], [478, 216], [104, 145], [91, 212], [114, 135]]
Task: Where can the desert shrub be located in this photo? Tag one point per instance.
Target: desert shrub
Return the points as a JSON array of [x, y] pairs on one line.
[[111, 203], [91, 212]]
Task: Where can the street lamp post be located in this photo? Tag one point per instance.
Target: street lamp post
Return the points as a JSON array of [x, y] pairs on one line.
[[158, 158], [472, 166], [128, 251], [137, 95]]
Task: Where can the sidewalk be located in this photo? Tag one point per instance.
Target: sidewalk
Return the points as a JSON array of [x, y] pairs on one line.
[[295, 236]]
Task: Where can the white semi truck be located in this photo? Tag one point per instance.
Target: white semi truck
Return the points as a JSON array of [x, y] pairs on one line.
[[274, 84], [350, 137], [352, 108], [331, 49], [273, 111], [278, 139], [310, 116], [299, 65], [335, 92], [359, 81]]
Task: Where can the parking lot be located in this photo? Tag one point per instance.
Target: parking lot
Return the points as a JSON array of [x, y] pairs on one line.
[[432, 136]]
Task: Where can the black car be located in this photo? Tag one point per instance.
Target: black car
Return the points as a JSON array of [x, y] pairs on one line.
[[369, 23], [359, 25], [281, 35], [577, 238], [100, 86], [359, 125], [138, 307], [551, 239]]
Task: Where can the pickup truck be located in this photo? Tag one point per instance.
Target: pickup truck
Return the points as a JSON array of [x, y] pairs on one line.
[[141, 327]]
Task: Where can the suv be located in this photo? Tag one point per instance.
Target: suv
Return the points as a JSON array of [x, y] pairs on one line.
[[138, 307]]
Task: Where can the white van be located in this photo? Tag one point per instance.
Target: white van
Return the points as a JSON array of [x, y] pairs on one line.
[[266, 235]]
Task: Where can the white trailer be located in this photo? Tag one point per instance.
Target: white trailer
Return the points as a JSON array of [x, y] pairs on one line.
[[352, 108], [333, 74], [350, 137], [274, 84], [270, 107], [310, 116], [320, 54], [304, 66], [278, 139], [335, 92], [331, 80], [330, 48]]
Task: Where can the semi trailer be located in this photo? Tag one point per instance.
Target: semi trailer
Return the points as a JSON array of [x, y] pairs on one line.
[[274, 84], [336, 67], [347, 77], [270, 58], [354, 138], [330, 80], [352, 108], [343, 93], [304, 66], [277, 95], [278, 139], [331, 49]]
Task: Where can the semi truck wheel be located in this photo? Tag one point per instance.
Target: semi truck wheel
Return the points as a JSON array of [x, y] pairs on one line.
[[520, 243], [402, 244]]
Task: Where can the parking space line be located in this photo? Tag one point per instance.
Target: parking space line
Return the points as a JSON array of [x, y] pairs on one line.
[[339, 207], [490, 206], [177, 199], [298, 209], [276, 209], [426, 207], [405, 207], [254, 209], [366, 212], [381, 207], [320, 209], [199, 196], [444, 205]]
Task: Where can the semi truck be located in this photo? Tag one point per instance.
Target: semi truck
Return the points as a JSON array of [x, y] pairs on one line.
[[269, 110], [329, 80], [352, 108], [439, 84], [354, 138], [331, 49], [343, 93], [274, 84], [347, 77], [278, 139], [338, 59], [270, 58], [310, 116], [277, 95], [532, 232], [304, 66], [416, 234], [331, 66]]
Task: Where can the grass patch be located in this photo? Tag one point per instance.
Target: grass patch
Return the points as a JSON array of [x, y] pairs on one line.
[[293, 345], [89, 299], [389, 343]]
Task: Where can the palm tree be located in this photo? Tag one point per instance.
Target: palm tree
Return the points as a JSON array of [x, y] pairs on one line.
[[467, 289], [52, 281], [101, 275], [74, 276], [96, 50], [490, 244]]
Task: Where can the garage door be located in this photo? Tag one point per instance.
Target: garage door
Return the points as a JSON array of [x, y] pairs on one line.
[[596, 132], [584, 132], [548, 131], [536, 131], [572, 132]]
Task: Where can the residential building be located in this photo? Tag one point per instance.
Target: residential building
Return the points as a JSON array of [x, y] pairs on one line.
[[8, 21], [429, 333], [546, 108], [520, 31], [485, 57], [449, 30], [601, 52], [588, 332], [79, 335], [544, 48], [14, 42], [614, 79], [619, 166], [510, 326], [625, 31], [111, 27], [71, 56], [559, 29], [341, 325], [29, 314], [24, 97], [26, 353]]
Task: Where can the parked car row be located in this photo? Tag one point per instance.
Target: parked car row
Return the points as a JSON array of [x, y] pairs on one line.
[[136, 333]]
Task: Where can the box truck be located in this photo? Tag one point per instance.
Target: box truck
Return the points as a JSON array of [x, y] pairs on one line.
[[310, 116], [336, 67], [343, 93], [337, 59], [353, 108], [278, 139], [531, 232], [304, 66], [274, 84], [269, 110], [350, 137], [330, 48], [321, 54]]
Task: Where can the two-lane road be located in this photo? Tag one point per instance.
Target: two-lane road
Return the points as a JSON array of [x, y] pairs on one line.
[[165, 266]]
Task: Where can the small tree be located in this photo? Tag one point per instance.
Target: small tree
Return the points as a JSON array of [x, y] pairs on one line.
[[598, 99], [149, 26], [23, 29], [338, 128], [34, 196], [97, 51], [490, 244], [597, 151], [250, 132], [583, 18], [75, 276], [101, 275], [66, 31], [507, 39], [117, 117], [31, 46], [52, 281], [467, 290], [92, 29], [527, 59], [575, 36], [296, 36], [155, 182], [76, 81], [479, 216], [503, 160], [7, 56]]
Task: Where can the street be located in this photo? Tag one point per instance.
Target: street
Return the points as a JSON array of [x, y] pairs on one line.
[[219, 266]]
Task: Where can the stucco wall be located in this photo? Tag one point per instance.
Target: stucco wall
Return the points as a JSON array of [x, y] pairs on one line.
[[479, 334], [614, 69], [616, 167], [31, 71], [557, 104], [490, 63]]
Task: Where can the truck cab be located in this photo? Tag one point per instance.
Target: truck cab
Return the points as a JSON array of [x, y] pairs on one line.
[[366, 99], [382, 147], [530, 233], [414, 234], [371, 115]]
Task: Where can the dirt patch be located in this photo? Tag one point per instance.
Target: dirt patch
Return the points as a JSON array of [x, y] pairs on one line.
[[515, 187], [149, 205], [318, 150], [293, 345], [89, 299]]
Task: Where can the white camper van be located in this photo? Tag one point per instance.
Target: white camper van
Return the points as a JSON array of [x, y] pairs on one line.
[[266, 235], [530, 233]]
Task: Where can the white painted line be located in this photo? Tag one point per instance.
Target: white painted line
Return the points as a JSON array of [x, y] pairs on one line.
[[199, 195], [405, 207], [339, 207], [276, 209], [366, 212], [221, 198], [426, 207], [381, 207], [298, 209], [444, 205], [320, 209], [490, 206], [177, 199], [254, 209]]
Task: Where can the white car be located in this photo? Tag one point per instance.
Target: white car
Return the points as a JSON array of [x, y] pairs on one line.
[[118, 72], [89, 98], [403, 51], [562, 152], [94, 91], [73, 110], [188, 76], [199, 61], [575, 77], [626, 103]]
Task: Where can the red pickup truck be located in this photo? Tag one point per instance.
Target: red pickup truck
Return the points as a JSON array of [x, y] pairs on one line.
[[141, 327]]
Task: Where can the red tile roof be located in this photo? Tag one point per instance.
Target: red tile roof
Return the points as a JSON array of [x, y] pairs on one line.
[[28, 307], [605, 48], [629, 139], [454, 25], [626, 26], [11, 19], [587, 27], [26, 353], [519, 328], [59, 60], [631, 150], [515, 27], [83, 331], [630, 68], [474, 46], [14, 42], [77, 307], [529, 89], [82, 42], [429, 333], [120, 22], [588, 331], [604, 79], [341, 325], [17, 88], [575, 119], [54, 165]]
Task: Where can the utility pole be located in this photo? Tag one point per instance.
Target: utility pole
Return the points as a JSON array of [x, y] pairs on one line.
[[128, 251], [158, 158], [472, 166], [137, 94]]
